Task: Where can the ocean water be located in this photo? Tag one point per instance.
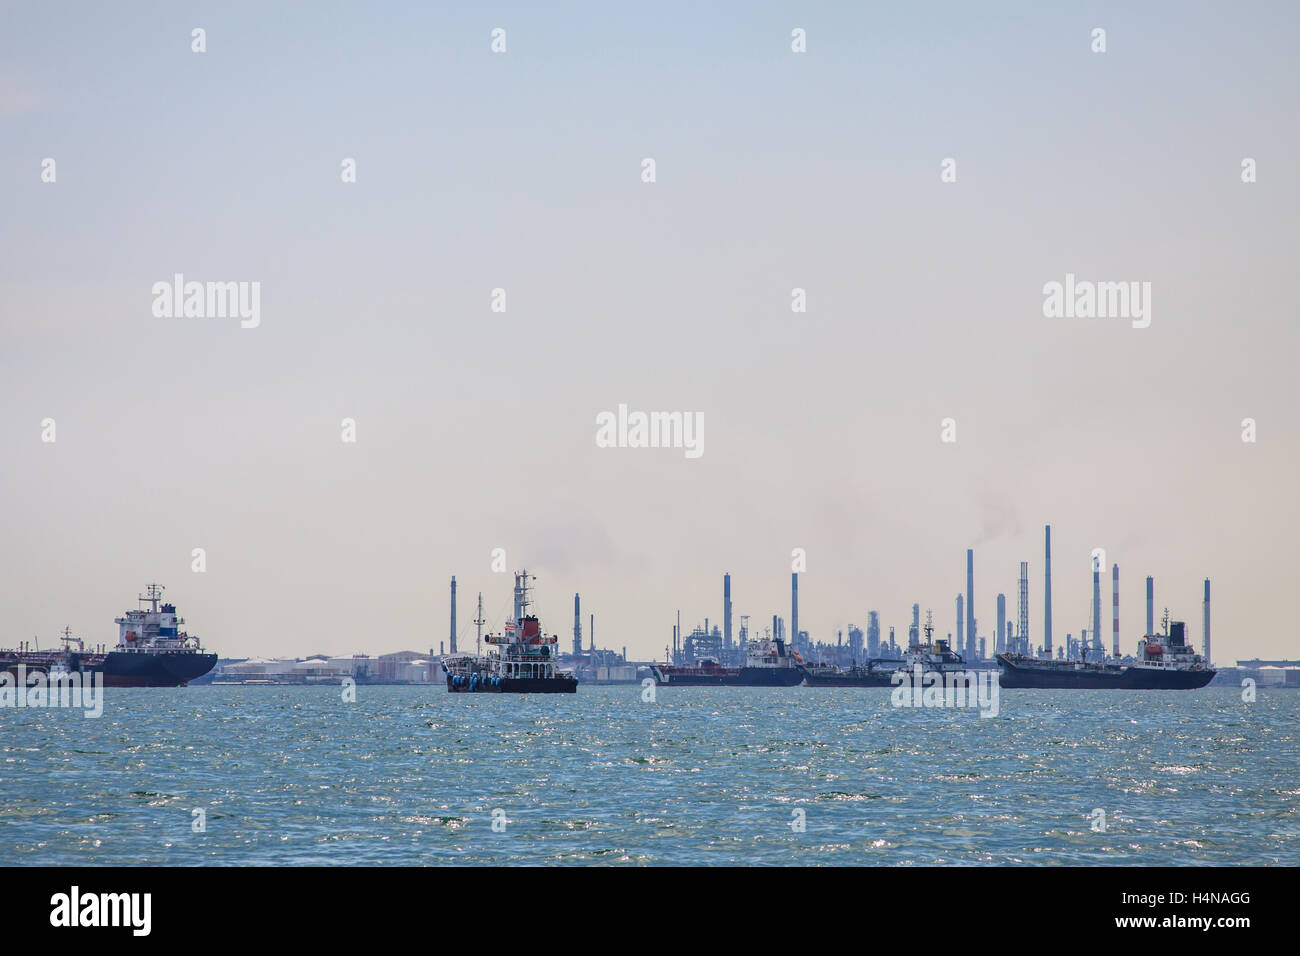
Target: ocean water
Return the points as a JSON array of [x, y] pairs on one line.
[[406, 775]]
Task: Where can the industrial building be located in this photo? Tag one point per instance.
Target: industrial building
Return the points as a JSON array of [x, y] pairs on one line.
[[1274, 674], [399, 667]]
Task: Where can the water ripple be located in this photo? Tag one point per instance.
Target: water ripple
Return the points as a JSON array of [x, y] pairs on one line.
[[703, 776]]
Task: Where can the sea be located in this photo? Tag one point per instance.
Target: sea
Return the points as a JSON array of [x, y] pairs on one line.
[[622, 775]]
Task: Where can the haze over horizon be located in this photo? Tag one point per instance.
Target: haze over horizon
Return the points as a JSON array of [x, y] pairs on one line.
[[775, 170]]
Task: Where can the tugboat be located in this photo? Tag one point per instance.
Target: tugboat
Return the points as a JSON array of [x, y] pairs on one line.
[[524, 662], [151, 651], [768, 663], [934, 656], [1164, 662]]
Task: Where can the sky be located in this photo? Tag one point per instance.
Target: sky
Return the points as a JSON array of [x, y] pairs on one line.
[[522, 170]]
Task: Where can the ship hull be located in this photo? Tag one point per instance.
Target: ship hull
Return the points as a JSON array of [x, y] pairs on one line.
[[874, 679], [118, 669], [155, 670], [519, 685], [1015, 675], [744, 677]]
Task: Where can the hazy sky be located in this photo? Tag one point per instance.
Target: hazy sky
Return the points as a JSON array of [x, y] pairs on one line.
[[522, 171]]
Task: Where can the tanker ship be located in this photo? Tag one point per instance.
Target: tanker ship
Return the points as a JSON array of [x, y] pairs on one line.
[[767, 664], [151, 651], [523, 663], [877, 672], [1164, 662], [934, 656]]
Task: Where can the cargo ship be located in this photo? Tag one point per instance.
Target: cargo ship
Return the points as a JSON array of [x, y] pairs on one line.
[[933, 656], [768, 663], [524, 661], [1164, 662], [151, 651]]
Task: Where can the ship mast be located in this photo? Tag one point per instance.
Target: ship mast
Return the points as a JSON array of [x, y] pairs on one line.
[[478, 625], [153, 595], [521, 596], [67, 639]]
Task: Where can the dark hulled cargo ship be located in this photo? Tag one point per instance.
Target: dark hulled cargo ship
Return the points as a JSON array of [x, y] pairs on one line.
[[1164, 662], [932, 657], [874, 673], [151, 651], [523, 663], [767, 664]]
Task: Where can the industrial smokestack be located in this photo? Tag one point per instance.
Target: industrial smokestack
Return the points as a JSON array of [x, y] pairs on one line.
[[726, 611], [970, 604], [1022, 628], [577, 627], [961, 624], [1114, 573], [1209, 661], [794, 609], [453, 614], [591, 635], [1002, 625], [1047, 594], [1151, 605], [1096, 601]]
